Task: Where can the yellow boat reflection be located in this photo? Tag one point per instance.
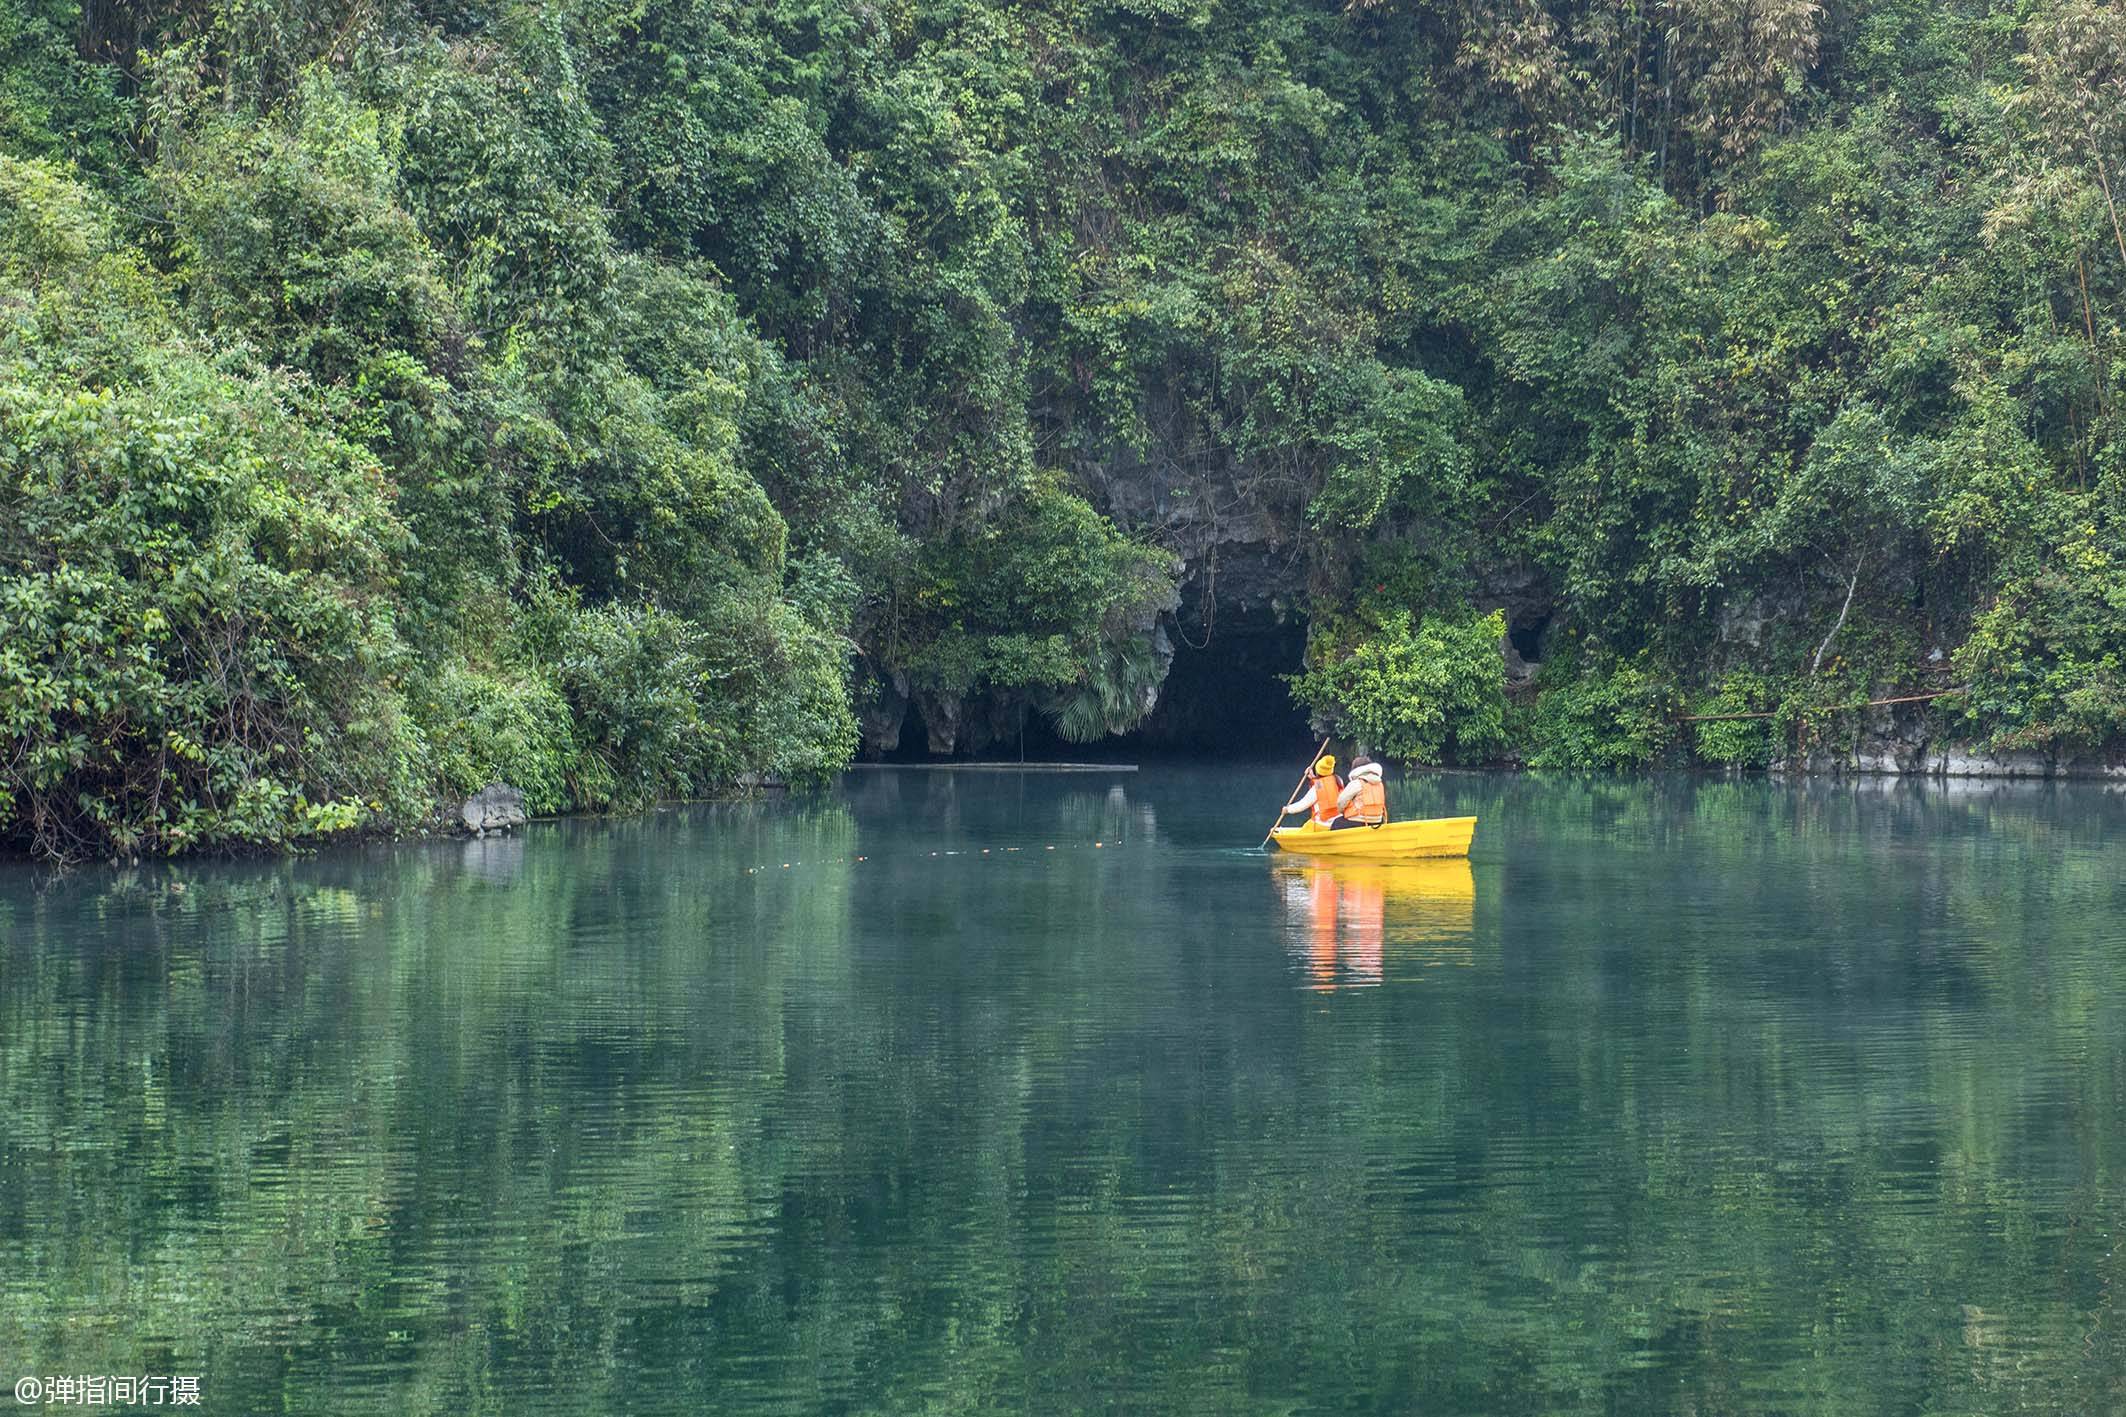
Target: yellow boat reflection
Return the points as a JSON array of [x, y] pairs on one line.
[[1350, 924]]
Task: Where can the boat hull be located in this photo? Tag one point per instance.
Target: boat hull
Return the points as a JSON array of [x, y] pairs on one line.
[[1397, 841]]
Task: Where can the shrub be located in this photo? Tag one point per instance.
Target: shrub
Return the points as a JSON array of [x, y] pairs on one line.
[[774, 690], [1743, 742], [666, 705], [290, 232], [1112, 695], [1047, 596], [2046, 663], [1423, 690], [630, 674], [488, 726], [195, 647], [1614, 717]]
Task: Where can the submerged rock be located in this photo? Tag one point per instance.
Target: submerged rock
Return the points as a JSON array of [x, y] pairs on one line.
[[496, 807]]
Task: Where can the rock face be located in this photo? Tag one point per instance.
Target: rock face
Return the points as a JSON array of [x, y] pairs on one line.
[[881, 713], [1956, 762], [494, 808], [941, 721], [1897, 745]]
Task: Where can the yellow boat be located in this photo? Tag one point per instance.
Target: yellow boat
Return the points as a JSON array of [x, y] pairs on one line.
[[1430, 836]]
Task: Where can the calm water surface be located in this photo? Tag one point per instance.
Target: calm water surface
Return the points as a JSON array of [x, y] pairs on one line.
[[955, 1092]]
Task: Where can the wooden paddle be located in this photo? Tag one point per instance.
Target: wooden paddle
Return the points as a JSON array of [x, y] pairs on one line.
[[1295, 791]]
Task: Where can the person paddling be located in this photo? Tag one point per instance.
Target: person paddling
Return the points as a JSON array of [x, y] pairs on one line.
[[1321, 797], [1364, 800]]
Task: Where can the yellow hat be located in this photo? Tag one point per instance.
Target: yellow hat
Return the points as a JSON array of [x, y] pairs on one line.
[[1324, 765]]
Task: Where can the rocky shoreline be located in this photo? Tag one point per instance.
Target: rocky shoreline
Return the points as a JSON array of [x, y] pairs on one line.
[[1954, 764], [1898, 744]]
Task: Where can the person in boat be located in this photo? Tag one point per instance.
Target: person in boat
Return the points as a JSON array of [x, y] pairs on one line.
[[1364, 800], [1322, 794]]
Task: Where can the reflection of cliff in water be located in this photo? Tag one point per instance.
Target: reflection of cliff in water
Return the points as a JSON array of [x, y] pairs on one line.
[[1354, 925], [1002, 806]]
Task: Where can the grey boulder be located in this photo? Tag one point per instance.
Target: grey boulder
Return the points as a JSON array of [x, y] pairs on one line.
[[497, 807]]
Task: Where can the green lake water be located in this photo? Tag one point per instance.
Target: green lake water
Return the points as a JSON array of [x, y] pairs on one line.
[[956, 1092]]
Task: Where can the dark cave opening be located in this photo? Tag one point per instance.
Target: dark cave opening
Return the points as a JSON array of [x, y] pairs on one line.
[[1525, 634], [1224, 694], [914, 744], [1224, 697]]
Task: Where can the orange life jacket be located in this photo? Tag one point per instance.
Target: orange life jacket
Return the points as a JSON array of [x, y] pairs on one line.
[[1326, 789], [1370, 805]]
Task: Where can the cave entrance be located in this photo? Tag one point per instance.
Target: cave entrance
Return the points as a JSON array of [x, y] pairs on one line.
[[1224, 695], [1525, 634]]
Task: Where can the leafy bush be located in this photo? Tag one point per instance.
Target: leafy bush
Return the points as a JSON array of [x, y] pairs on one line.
[[632, 677], [1745, 742], [1400, 448], [1423, 690], [198, 638], [774, 691], [1045, 558], [666, 705], [1113, 694], [197, 645], [2046, 664], [506, 171], [54, 104], [80, 309], [487, 726], [290, 231], [1044, 595], [1613, 717]]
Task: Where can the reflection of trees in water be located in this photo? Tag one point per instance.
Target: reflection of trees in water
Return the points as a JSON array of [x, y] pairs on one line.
[[311, 1081], [624, 1128], [1746, 812]]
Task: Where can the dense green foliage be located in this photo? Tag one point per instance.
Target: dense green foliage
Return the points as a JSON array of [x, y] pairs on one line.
[[1418, 691], [623, 399]]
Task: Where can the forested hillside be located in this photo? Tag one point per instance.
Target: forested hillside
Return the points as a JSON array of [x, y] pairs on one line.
[[400, 395]]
